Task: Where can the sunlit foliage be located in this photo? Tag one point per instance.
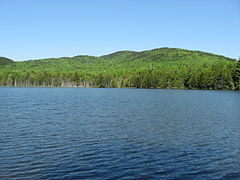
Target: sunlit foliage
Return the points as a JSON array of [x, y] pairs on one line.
[[158, 68]]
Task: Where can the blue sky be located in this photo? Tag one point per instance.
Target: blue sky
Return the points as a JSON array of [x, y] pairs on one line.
[[32, 29]]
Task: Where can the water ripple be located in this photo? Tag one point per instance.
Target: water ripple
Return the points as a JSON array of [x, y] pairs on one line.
[[87, 133]]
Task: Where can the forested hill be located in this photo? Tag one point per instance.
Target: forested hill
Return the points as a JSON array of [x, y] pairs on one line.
[[5, 61], [157, 68]]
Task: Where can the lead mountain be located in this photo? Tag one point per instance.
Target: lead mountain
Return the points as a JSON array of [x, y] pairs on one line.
[[157, 68]]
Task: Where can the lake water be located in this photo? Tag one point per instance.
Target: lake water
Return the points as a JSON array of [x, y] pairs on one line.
[[75, 133]]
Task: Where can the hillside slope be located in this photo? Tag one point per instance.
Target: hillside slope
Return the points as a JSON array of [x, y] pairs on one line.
[[5, 61], [157, 68]]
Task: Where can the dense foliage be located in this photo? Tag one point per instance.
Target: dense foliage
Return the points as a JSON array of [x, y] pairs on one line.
[[158, 68], [236, 76]]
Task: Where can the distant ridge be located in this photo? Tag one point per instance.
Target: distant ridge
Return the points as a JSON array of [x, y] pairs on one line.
[[157, 68], [129, 52]]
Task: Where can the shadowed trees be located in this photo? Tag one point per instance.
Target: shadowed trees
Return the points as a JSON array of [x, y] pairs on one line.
[[236, 76]]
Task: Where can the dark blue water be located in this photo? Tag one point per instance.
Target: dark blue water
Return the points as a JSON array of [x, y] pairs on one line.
[[74, 133]]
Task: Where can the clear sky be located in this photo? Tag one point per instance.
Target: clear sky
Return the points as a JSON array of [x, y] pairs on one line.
[[32, 29]]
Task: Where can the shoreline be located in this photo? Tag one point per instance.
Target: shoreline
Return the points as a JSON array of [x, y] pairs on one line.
[[115, 88]]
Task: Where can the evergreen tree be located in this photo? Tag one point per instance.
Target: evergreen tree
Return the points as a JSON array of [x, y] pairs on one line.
[[236, 76]]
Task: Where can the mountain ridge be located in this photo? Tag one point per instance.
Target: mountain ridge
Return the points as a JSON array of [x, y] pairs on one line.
[[157, 68], [132, 52]]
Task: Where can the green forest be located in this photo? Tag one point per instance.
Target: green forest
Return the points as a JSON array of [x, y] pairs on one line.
[[166, 68]]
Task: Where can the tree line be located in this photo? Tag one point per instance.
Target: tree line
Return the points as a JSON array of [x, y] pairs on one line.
[[178, 69]]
